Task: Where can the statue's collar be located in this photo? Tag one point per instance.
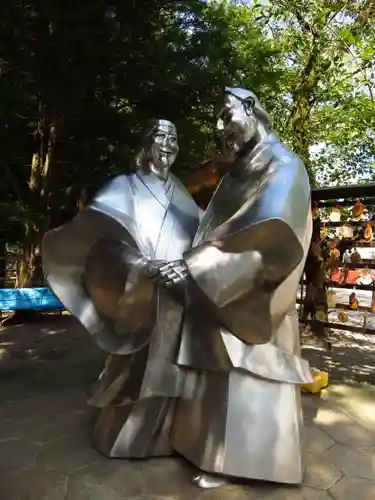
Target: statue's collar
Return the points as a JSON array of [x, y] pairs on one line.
[[254, 158], [161, 189]]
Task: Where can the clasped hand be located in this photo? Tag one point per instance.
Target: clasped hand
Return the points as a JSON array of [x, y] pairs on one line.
[[169, 274]]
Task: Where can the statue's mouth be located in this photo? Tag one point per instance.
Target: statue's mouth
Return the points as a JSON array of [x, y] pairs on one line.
[[163, 152]]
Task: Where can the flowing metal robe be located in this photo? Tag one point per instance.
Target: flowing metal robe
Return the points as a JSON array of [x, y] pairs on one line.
[[240, 412], [97, 267]]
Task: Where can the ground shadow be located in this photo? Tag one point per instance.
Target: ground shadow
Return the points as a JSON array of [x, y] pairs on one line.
[[54, 352], [351, 359]]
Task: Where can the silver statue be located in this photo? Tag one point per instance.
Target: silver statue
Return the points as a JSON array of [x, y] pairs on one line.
[[240, 411], [198, 317], [104, 267]]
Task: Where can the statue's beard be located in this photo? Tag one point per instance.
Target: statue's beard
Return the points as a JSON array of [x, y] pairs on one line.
[[162, 164], [230, 149], [233, 142]]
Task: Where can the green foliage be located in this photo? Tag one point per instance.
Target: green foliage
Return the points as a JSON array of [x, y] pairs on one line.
[[326, 91]]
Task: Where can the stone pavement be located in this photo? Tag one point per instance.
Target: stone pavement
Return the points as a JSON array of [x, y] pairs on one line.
[[45, 451]]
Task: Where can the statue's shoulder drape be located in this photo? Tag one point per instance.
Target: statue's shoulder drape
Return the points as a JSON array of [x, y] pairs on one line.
[[257, 249]]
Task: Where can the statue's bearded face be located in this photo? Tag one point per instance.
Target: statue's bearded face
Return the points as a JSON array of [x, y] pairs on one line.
[[164, 148], [237, 124]]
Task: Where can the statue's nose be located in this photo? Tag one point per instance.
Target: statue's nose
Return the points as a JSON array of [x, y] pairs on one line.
[[226, 113]]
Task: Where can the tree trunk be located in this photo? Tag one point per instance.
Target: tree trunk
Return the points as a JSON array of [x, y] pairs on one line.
[[43, 155], [29, 272], [2, 263], [82, 199], [315, 300]]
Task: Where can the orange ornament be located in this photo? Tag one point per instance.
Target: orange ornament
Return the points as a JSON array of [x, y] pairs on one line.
[[368, 232], [323, 231], [357, 210], [343, 316], [353, 302]]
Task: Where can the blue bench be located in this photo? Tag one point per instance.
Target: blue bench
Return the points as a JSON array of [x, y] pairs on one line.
[[16, 299]]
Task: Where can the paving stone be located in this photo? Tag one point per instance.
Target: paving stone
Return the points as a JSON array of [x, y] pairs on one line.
[[35, 484], [62, 426], [304, 493], [42, 430], [107, 480], [22, 409], [16, 455], [170, 477], [43, 405], [352, 488], [233, 492], [263, 491], [67, 455], [310, 494], [358, 463], [317, 440], [343, 429], [313, 406], [151, 497], [311, 401], [321, 473], [12, 429], [357, 401]]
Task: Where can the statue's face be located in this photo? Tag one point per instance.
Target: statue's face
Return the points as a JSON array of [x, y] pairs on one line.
[[236, 124], [164, 148]]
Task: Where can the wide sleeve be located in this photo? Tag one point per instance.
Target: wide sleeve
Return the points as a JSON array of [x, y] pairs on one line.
[[250, 255], [94, 266]]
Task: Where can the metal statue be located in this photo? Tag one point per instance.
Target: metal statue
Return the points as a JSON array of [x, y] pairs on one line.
[[240, 411], [103, 266], [199, 318]]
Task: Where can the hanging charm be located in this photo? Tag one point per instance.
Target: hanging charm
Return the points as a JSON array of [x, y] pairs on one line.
[[367, 235], [353, 301], [357, 210], [343, 316], [335, 214], [323, 231], [365, 277], [334, 258], [320, 316], [331, 299], [346, 231]]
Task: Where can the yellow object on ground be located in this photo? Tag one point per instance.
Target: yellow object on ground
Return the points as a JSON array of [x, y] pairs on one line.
[[320, 382]]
